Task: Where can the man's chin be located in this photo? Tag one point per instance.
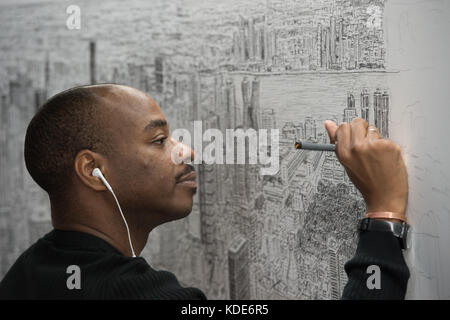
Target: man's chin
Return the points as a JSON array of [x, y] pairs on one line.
[[183, 210]]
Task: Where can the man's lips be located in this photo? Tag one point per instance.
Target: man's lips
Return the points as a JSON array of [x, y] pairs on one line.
[[188, 180]]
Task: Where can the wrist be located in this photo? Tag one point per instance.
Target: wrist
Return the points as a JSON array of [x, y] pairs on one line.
[[398, 207]]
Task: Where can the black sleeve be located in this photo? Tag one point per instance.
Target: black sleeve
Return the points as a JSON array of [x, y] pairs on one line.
[[381, 249]]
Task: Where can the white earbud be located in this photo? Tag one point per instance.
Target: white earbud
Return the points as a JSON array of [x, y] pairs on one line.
[[97, 173]]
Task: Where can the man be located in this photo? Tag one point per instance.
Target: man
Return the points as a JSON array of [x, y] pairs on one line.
[[122, 132]]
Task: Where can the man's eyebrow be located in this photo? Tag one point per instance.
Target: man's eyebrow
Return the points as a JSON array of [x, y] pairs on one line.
[[156, 123]]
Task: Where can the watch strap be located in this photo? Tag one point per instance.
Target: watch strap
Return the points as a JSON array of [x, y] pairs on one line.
[[399, 230]]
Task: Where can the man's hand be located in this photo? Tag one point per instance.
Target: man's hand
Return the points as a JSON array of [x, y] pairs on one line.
[[374, 165]]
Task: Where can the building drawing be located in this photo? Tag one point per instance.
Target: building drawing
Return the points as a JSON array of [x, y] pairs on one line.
[[268, 64], [365, 105], [238, 269]]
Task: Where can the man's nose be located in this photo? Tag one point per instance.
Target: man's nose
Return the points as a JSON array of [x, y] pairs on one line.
[[190, 154], [184, 153]]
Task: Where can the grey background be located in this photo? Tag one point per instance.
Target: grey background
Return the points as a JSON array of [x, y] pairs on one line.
[[248, 236]]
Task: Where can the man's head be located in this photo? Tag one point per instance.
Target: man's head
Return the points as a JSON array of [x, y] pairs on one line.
[[123, 132]]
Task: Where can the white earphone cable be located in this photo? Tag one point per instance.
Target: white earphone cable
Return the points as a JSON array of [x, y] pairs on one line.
[[97, 173], [126, 224]]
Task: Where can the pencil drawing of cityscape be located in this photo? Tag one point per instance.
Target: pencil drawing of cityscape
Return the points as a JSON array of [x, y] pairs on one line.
[[236, 64]]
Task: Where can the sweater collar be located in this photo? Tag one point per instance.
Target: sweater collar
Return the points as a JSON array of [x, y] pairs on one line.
[[80, 240]]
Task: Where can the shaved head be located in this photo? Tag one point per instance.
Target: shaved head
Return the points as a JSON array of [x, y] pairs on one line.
[[68, 122]]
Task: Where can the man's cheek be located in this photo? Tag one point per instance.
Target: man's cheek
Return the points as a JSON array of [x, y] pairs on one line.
[[158, 170]]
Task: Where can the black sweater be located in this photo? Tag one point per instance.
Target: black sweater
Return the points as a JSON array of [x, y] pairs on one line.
[[41, 271]]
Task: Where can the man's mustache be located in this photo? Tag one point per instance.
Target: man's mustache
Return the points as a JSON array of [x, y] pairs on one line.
[[187, 169]]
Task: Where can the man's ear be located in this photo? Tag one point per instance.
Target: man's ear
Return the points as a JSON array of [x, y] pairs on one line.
[[85, 162]]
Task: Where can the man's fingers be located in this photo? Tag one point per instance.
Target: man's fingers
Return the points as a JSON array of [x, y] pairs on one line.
[[331, 128], [373, 133], [343, 135], [359, 131]]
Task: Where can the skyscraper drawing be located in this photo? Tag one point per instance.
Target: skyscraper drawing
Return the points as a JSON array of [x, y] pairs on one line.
[[268, 120], [385, 115], [159, 74], [332, 41], [350, 111], [254, 104], [230, 104], [377, 96], [246, 96], [365, 105], [319, 46], [92, 62], [238, 269]]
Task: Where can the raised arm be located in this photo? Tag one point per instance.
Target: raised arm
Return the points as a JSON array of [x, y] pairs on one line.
[[376, 167]]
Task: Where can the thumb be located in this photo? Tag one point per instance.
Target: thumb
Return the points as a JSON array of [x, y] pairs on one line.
[[331, 129]]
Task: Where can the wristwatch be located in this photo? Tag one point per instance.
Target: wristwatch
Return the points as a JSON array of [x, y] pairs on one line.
[[399, 230]]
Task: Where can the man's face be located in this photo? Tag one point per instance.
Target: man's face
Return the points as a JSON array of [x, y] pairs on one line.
[[148, 183]]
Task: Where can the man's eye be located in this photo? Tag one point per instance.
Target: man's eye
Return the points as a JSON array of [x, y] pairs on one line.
[[160, 141]]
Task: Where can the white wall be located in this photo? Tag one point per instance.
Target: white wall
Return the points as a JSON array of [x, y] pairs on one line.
[[418, 45]]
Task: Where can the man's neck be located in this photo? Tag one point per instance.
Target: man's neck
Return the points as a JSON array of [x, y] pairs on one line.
[[121, 242], [102, 219]]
